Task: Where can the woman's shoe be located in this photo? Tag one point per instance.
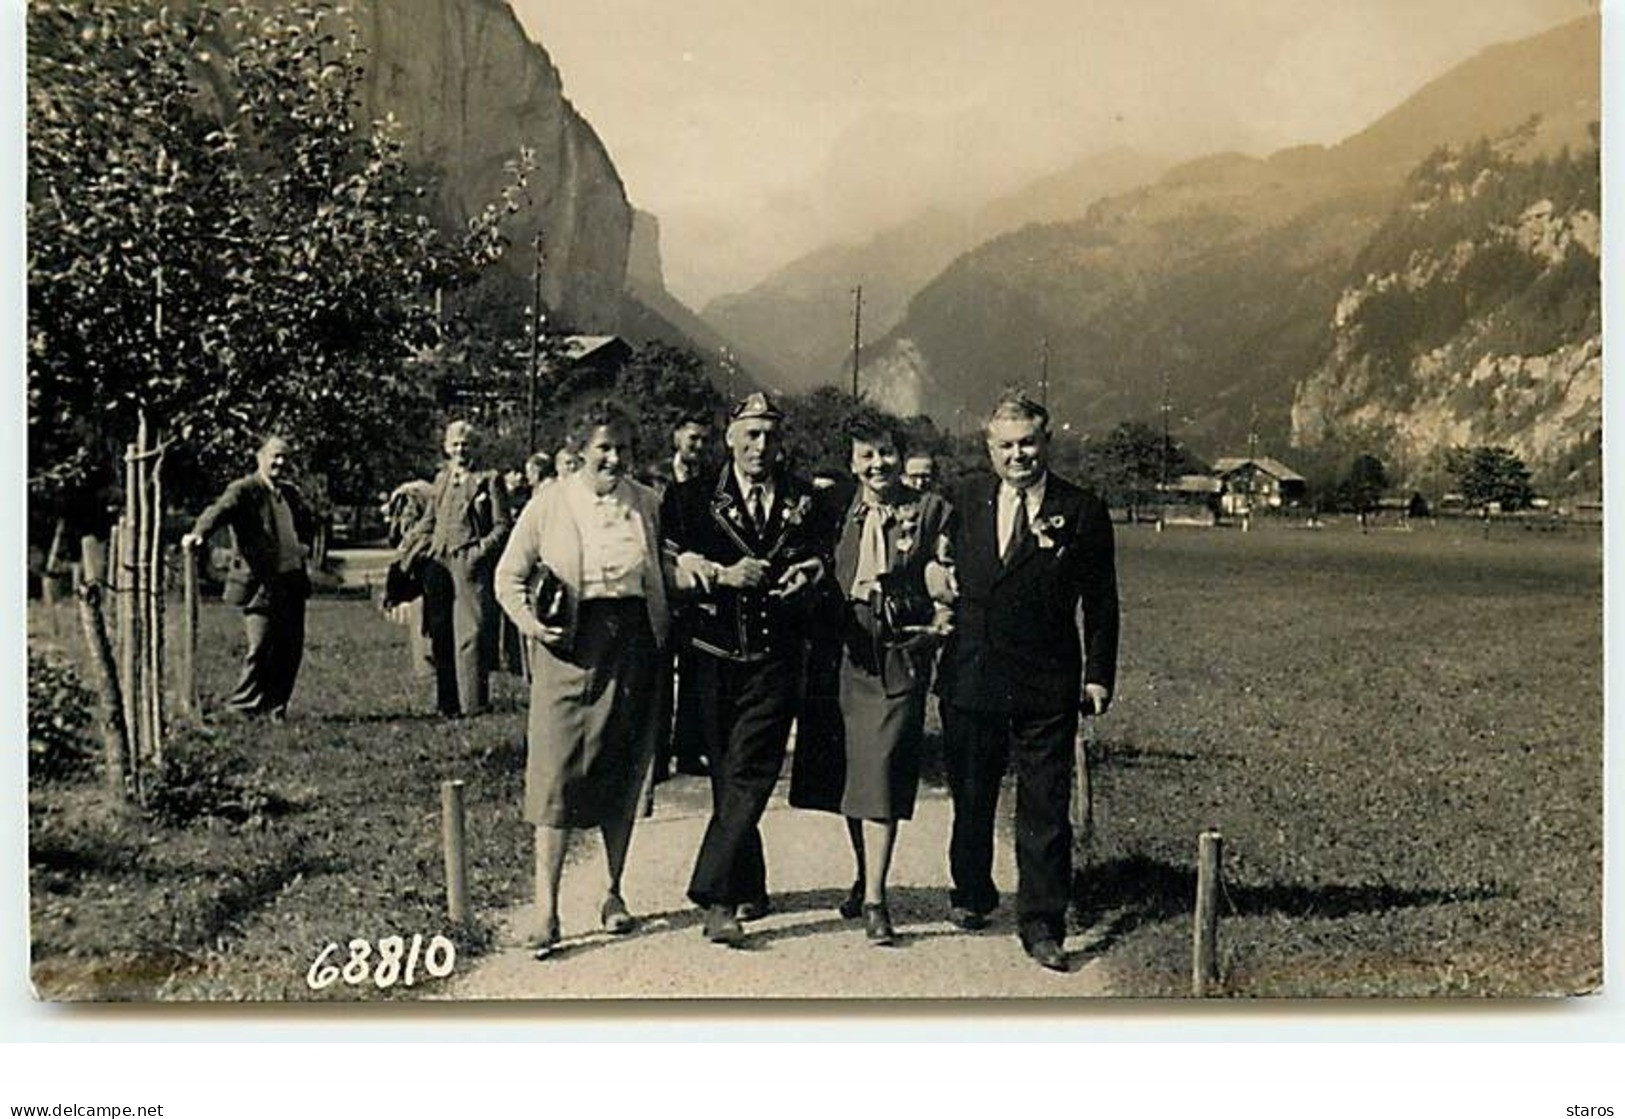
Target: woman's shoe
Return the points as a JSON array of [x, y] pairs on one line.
[[851, 906], [618, 921], [877, 925], [548, 943]]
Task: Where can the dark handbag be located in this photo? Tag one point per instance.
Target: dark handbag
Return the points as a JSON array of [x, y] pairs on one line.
[[401, 584], [903, 607], [547, 597]]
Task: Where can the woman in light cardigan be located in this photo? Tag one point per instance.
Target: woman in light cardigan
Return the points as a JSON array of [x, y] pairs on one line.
[[595, 655]]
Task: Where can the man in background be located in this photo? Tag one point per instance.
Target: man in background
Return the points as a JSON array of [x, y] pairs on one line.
[[272, 529], [920, 473], [685, 751], [459, 538]]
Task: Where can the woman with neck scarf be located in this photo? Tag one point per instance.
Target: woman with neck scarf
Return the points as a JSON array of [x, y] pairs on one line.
[[892, 540]]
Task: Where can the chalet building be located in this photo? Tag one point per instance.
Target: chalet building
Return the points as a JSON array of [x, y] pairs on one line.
[[1258, 483], [598, 356]]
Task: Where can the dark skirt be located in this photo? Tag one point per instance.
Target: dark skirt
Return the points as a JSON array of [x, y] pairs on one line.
[[883, 735], [591, 735]]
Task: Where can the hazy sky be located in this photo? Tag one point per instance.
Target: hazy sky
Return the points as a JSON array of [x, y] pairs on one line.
[[759, 129]]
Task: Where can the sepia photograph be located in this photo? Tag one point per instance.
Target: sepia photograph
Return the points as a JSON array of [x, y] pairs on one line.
[[573, 501]]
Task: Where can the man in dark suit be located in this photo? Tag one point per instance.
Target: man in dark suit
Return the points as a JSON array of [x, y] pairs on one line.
[[271, 529], [458, 539], [1032, 552], [685, 751], [748, 544]]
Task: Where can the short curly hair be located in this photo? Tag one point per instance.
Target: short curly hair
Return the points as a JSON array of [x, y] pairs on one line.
[[875, 429], [592, 416]]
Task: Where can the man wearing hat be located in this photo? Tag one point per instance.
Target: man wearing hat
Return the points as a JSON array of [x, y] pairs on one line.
[[748, 542], [459, 538], [271, 530]]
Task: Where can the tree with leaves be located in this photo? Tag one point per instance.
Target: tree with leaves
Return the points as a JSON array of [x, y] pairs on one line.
[[219, 247], [1490, 474]]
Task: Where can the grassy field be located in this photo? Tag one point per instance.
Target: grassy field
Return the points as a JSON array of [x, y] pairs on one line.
[[1400, 735]]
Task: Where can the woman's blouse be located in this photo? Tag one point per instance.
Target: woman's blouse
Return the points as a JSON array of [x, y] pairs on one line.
[[612, 542]]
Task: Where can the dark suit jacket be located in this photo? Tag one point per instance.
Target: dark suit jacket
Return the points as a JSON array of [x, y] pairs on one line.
[[1016, 644], [245, 507], [707, 515], [479, 527]]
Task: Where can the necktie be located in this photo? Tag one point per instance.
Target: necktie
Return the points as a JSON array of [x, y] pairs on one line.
[[1019, 530], [753, 505]]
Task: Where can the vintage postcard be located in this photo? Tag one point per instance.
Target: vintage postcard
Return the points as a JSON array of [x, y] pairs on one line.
[[566, 501]]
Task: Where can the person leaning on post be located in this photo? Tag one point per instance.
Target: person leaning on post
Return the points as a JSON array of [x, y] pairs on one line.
[[748, 545], [1034, 565], [272, 529], [582, 579]]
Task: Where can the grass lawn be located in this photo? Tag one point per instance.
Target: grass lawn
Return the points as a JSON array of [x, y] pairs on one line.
[[1399, 734]]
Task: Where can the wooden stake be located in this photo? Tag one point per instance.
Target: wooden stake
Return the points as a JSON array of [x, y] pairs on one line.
[[155, 613], [1083, 793], [189, 620], [1205, 926], [456, 853], [121, 777]]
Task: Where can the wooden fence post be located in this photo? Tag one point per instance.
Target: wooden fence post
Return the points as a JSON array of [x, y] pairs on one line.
[[189, 619], [122, 777], [455, 850], [1205, 925]]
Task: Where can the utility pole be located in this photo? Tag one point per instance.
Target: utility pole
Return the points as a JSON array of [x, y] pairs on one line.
[[857, 334], [1043, 371], [536, 320], [1167, 412]]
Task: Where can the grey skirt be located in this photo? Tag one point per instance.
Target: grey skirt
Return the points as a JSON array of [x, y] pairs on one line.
[[593, 728]]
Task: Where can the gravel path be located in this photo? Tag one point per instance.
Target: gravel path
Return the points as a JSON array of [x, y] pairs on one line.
[[801, 950]]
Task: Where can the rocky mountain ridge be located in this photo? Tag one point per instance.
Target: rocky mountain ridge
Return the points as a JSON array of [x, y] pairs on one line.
[[1219, 284]]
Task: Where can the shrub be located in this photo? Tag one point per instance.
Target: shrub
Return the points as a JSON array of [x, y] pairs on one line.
[[59, 715], [197, 782]]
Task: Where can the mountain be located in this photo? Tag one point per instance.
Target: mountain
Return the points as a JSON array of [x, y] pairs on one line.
[[1218, 286], [800, 317], [1473, 316], [470, 89]]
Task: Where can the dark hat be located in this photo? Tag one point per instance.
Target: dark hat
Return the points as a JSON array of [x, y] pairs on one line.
[[756, 406]]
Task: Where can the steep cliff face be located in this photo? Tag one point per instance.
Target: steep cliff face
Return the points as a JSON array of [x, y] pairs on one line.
[[470, 90], [1473, 317]]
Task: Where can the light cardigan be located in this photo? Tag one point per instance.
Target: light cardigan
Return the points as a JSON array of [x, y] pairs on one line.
[[547, 533]]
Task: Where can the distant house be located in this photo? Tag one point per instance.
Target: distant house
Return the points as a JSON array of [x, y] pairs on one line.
[[1258, 483], [1192, 500], [599, 356]]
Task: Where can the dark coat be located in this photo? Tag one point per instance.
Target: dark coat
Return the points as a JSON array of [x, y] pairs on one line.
[[1016, 643], [245, 507], [918, 531], [707, 515]]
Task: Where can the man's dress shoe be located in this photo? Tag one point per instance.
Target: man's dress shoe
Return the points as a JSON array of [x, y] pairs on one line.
[[754, 910], [722, 927], [968, 919], [1047, 954]]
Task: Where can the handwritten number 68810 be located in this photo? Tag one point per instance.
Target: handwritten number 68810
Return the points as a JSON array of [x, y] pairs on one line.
[[394, 964]]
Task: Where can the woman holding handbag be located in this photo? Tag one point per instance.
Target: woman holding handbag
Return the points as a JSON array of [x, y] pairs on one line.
[[582, 580], [891, 540]]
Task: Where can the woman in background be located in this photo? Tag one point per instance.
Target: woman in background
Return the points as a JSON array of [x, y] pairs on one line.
[[581, 578]]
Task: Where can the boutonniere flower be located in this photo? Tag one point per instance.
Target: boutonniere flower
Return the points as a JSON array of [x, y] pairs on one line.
[[735, 515], [908, 526], [1044, 526], [797, 510]]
